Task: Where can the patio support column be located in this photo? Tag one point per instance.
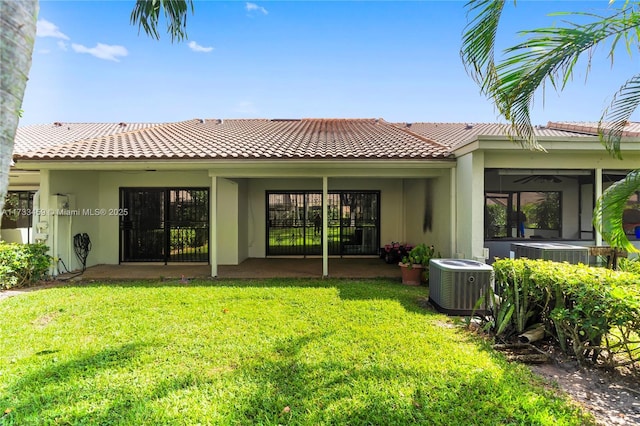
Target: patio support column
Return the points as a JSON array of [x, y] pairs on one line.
[[213, 226], [453, 214], [598, 194], [470, 206], [325, 222]]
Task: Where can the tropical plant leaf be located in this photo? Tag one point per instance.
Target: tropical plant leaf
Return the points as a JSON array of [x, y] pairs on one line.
[[614, 119], [146, 14], [609, 208], [478, 41], [547, 55]]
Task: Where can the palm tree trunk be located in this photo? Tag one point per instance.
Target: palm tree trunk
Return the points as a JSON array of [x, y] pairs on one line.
[[17, 37]]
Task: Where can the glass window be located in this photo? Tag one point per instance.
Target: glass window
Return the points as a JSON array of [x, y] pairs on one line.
[[523, 214], [18, 206], [631, 215]]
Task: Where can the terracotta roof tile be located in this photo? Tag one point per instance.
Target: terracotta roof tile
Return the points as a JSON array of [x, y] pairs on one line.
[[42, 136], [632, 129], [253, 139], [267, 139], [456, 134]]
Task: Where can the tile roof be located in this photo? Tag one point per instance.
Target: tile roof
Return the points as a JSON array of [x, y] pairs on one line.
[[631, 129], [252, 139], [267, 139], [456, 134], [40, 136]]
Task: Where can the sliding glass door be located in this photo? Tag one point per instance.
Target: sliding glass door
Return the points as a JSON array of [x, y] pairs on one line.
[[294, 223], [164, 225]]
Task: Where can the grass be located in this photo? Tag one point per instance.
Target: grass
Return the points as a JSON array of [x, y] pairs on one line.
[[256, 352]]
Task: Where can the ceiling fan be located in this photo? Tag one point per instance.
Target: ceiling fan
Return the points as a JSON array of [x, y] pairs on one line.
[[540, 179]]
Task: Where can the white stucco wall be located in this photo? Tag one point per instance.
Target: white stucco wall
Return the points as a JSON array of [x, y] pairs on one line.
[[80, 189], [470, 206], [424, 199], [232, 222]]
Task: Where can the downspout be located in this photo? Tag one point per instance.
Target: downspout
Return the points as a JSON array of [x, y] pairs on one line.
[[325, 222], [598, 194]]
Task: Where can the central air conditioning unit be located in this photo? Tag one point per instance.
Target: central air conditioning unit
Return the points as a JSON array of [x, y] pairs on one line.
[[556, 252], [457, 285]]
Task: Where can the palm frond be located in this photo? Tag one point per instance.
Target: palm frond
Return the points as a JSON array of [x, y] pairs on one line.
[[548, 55], [478, 41], [611, 126], [146, 14], [609, 208]]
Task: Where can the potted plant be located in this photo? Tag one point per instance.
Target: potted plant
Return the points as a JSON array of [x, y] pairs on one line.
[[415, 265]]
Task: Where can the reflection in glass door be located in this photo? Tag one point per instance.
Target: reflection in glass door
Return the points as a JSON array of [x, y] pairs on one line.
[[294, 223]]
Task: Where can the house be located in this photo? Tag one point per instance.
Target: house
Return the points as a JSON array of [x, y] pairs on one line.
[[221, 191]]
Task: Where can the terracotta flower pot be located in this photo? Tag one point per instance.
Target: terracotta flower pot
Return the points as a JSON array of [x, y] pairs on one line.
[[411, 274]]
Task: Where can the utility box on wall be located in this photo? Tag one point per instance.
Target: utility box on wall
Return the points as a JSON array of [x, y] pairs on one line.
[[458, 286], [62, 204]]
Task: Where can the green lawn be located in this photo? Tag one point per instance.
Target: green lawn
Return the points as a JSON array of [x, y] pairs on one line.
[[255, 352]]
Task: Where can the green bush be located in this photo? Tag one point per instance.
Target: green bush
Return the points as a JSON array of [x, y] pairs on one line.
[[592, 312], [631, 264], [22, 264]]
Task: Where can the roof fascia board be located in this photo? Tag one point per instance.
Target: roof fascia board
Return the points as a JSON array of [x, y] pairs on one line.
[[562, 160], [550, 143], [348, 173], [365, 168]]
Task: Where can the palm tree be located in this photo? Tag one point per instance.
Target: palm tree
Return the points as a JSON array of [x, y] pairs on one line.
[[17, 37], [548, 56]]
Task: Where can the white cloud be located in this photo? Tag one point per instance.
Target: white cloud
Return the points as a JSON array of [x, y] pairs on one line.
[[62, 45], [252, 7], [45, 28], [102, 51], [197, 48]]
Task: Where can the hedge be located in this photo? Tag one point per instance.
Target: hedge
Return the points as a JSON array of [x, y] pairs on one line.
[[593, 313], [22, 264]]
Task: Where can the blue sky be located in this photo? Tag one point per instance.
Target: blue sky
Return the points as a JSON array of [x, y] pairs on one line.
[[397, 60]]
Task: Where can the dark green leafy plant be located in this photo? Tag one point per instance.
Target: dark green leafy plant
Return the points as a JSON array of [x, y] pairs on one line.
[[421, 255], [22, 264], [593, 313]]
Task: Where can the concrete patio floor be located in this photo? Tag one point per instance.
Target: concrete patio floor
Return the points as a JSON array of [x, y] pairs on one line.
[[250, 268]]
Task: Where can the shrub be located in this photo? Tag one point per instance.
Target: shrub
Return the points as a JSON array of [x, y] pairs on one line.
[[590, 311], [629, 265], [22, 264]]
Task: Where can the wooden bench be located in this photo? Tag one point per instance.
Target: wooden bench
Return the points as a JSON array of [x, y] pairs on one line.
[[611, 253]]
